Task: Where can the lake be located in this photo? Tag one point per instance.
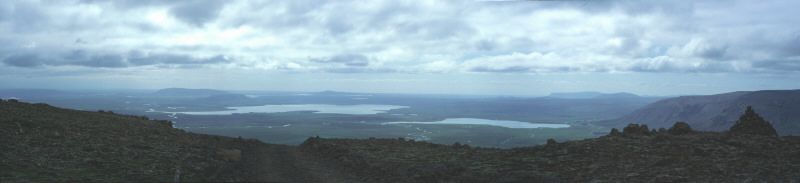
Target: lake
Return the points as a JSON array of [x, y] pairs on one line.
[[317, 108], [475, 121]]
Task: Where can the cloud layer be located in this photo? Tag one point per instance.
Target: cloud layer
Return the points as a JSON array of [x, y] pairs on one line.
[[405, 36]]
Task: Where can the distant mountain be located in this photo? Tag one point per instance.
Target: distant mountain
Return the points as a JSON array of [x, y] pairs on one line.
[[719, 112], [189, 92], [590, 95]]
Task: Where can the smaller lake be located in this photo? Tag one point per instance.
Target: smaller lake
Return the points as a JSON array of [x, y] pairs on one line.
[[475, 121], [317, 108]]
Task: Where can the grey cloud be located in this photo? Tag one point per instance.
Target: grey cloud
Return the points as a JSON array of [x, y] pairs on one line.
[[5, 11], [194, 12], [358, 70], [26, 17], [198, 12], [513, 69], [780, 65], [714, 53], [678, 8], [435, 29], [343, 17], [80, 41], [293, 14], [791, 47], [338, 26], [675, 67], [485, 45], [23, 60], [348, 59], [137, 58], [107, 61], [128, 4], [82, 58], [524, 69]]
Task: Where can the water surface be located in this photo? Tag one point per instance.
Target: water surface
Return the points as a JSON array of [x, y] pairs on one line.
[[317, 108], [475, 121]]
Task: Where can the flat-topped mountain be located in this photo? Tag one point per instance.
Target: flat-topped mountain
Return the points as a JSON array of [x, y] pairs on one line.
[[41, 143], [719, 112]]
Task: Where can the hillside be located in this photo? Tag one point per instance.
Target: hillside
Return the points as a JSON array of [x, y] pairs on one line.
[[719, 112], [41, 143]]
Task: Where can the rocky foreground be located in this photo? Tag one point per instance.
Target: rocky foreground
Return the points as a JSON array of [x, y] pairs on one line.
[[40, 143]]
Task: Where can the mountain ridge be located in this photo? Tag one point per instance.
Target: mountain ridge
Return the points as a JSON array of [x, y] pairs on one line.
[[719, 112]]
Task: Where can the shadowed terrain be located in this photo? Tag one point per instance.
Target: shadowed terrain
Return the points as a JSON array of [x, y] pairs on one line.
[[719, 112], [41, 143]]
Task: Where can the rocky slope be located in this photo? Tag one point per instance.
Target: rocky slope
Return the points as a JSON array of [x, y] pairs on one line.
[[719, 112], [39, 143], [658, 157]]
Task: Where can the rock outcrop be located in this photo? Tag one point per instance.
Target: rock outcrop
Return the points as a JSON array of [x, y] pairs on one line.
[[750, 123]]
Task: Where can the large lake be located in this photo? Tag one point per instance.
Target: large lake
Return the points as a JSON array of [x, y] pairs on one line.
[[317, 108], [475, 121]]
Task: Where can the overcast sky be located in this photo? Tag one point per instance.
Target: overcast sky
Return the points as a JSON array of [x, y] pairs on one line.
[[462, 47]]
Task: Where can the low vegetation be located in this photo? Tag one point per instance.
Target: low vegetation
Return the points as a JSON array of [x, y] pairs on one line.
[[41, 143]]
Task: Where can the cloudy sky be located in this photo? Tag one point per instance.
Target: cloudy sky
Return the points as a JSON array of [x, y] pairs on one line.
[[462, 47]]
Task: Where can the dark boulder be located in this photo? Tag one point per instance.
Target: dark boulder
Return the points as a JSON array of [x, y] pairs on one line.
[[680, 128], [751, 123], [614, 133]]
